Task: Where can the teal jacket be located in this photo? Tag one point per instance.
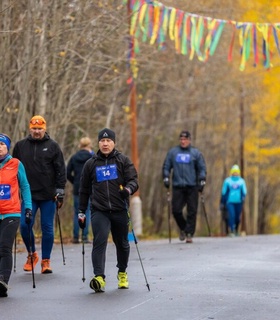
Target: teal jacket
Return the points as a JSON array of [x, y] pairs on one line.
[[234, 190]]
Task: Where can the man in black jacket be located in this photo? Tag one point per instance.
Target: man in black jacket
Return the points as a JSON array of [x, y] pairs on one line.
[[74, 170], [45, 169], [108, 178]]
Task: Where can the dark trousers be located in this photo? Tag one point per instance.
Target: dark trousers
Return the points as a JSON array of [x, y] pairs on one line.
[[180, 198], [8, 230], [102, 223]]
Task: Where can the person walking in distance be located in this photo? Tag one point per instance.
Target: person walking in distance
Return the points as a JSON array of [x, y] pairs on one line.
[[74, 170], [234, 191], [108, 179], [13, 183], [188, 179], [46, 172]]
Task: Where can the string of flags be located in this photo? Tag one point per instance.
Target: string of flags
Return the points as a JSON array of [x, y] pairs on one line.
[[196, 35]]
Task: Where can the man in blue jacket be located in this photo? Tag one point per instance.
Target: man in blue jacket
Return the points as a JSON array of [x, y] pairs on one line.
[[188, 179]]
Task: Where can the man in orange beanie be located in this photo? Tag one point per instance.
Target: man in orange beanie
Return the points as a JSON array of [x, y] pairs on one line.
[[46, 172]]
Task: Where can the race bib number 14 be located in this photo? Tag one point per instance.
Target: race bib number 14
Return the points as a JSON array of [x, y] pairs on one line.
[[105, 173]]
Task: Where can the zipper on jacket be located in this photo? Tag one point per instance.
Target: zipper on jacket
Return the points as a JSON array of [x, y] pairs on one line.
[[35, 152], [108, 192]]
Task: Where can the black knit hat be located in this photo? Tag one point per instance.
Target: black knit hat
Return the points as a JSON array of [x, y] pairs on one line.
[[185, 134], [106, 134]]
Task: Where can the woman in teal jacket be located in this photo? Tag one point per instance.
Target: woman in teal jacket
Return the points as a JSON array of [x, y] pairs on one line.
[[13, 181], [234, 191]]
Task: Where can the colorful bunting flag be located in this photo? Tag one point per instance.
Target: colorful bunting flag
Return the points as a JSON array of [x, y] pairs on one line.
[[196, 35]]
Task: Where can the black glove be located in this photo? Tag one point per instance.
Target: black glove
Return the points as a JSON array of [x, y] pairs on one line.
[[59, 197], [28, 216], [166, 182], [82, 219], [124, 192], [201, 185]]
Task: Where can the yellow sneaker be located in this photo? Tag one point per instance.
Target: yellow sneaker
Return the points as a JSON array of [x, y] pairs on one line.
[[97, 284], [28, 265], [46, 266], [123, 280]]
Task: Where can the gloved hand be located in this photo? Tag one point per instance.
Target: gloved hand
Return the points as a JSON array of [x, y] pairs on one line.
[[59, 197], [28, 216], [82, 219], [201, 185], [166, 182], [124, 192]]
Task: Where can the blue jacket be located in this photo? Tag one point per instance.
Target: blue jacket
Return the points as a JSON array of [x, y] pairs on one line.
[[234, 190], [188, 166]]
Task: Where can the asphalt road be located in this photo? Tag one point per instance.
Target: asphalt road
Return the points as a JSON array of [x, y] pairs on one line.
[[213, 278]]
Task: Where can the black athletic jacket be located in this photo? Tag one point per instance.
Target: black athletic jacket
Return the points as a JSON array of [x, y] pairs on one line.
[[44, 165], [105, 195]]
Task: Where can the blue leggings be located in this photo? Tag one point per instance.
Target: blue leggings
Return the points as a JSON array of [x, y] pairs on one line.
[[234, 213], [76, 228], [47, 209]]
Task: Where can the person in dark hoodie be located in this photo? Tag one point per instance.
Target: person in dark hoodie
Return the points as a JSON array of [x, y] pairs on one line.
[[46, 172], [108, 179], [74, 170]]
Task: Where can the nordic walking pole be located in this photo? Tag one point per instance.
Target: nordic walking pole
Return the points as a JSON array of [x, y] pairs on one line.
[[83, 253], [135, 241], [82, 224], [169, 214], [15, 252], [204, 211], [59, 227], [31, 255]]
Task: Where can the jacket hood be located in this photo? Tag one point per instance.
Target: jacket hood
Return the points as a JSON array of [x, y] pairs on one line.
[[82, 156]]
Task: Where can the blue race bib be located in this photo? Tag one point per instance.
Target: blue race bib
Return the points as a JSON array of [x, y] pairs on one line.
[[105, 173], [235, 186], [5, 192], [183, 158]]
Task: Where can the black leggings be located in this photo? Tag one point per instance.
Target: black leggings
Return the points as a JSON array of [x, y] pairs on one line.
[[102, 223], [8, 230]]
